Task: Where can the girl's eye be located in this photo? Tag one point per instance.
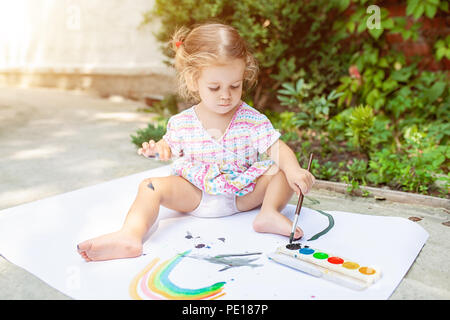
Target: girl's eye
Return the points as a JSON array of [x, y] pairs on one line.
[[217, 88]]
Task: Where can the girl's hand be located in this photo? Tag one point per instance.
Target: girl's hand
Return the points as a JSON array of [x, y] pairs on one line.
[[150, 149], [300, 180]]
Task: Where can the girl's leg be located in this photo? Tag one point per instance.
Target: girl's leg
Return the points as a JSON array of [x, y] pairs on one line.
[[273, 192], [172, 192]]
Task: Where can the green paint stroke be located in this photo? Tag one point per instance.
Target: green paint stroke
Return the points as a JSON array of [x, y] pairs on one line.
[[324, 231]]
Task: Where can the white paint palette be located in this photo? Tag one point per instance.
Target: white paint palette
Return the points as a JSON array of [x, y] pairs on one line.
[[322, 264]]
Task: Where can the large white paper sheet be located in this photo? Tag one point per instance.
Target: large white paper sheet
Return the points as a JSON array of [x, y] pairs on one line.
[[41, 237]]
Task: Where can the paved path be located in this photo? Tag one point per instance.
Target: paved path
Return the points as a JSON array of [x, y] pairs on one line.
[[53, 142]]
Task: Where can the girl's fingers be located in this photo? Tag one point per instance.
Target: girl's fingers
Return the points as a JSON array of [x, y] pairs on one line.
[[161, 151], [166, 152], [303, 187], [310, 180], [151, 148], [296, 189], [149, 153], [143, 150]]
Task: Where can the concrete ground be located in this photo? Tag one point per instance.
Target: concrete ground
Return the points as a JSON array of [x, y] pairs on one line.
[[53, 142]]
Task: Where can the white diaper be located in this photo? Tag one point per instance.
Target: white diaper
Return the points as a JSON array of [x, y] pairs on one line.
[[213, 206]]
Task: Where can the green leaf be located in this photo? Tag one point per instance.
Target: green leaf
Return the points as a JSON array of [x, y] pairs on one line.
[[379, 103], [403, 74], [383, 63], [286, 92], [290, 88], [362, 26], [300, 84], [376, 33], [343, 4], [411, 6], [406, 34], [419, 11], [372, 97], [440, 43], [390, 85], [430, 10], [333, 95], [351, 26], [438, 161], [435, 91], [388, 23], [440, 53]]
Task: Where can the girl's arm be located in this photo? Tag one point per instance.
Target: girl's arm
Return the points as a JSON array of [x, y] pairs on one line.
[[283, 156], [299, 179]]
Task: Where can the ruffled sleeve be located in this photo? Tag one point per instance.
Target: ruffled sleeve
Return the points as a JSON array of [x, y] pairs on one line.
[[264, 135], [173, 136]]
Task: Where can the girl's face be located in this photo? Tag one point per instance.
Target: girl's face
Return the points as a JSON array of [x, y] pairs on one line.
[[220, 87]]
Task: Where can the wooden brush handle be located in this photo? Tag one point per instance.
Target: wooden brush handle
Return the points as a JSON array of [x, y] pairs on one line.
[[300, 199]]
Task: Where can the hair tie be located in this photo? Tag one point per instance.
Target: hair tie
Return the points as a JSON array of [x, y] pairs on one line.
[[178, 43]]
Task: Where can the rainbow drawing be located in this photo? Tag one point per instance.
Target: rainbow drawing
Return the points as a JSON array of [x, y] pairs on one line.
[[154, 283]]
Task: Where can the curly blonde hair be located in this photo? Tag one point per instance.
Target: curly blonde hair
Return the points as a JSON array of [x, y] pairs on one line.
[[206, 45]]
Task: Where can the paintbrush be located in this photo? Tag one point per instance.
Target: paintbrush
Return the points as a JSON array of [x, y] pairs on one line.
[[299, 205]]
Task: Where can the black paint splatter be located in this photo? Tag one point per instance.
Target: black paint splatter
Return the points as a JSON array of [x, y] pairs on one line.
[[150, 185], [189, 235], [200, 245], [221, 239], [293, 246]]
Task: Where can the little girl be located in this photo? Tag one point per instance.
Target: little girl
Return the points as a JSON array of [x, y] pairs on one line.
[[219, 143]]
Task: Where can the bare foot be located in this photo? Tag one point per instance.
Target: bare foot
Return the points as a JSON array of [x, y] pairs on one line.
[[114, 245], [275, 222]]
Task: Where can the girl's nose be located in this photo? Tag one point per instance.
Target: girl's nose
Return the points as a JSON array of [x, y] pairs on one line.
[[225, 95]]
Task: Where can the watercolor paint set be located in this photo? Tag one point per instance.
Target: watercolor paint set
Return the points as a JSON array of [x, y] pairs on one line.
[[325, 265]]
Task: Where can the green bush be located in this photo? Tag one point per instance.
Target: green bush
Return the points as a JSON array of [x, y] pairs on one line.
[[415, 167], [152, 132], [286, 36], [368, 113], [311, 111]]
